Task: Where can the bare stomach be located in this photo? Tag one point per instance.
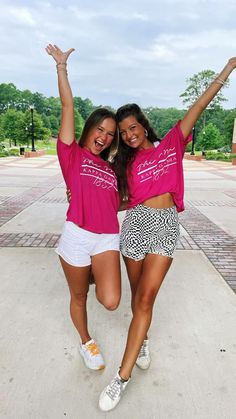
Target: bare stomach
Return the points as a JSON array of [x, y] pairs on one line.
[[160, 201]]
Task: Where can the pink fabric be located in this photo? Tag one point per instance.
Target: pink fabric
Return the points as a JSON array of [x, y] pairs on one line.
[[93, 184], [159, 170]]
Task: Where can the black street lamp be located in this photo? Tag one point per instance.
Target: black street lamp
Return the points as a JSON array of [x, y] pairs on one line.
[[27, 136], [32, 127], [193, 141]]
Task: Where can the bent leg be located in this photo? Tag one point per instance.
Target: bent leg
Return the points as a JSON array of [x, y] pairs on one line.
[[78, 282], [155, 268], [106, 270]]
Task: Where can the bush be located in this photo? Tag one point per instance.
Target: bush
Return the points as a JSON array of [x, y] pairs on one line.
[[188, 147], [211, 155], [14, 152], [225, 149], [4, 153]]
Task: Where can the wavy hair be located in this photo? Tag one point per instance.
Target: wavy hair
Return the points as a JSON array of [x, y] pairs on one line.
[[126, 154]]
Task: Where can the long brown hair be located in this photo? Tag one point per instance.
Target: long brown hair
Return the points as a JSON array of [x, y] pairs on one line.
[[126, 154]]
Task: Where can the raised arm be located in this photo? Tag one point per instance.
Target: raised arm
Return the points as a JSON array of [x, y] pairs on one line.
[[67, 128], [201, 103]]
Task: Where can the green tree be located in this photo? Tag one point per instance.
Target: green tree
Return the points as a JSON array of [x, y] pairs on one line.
[[209, 138], [162, 120], [198, 83], [54, 124], [40, 131], [53, 106], [39, 102], [13, 126], [1, 128], [9, 96], [84, 106], [79, 124], [229, 125], [25, 100]]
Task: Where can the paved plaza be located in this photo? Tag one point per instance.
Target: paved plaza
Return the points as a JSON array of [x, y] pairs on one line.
[[193, 333]]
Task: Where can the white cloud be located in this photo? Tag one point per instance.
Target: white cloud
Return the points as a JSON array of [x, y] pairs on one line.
[[139, 51]]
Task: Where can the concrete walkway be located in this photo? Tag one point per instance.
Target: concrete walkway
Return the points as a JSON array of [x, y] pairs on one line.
[[193, 333]]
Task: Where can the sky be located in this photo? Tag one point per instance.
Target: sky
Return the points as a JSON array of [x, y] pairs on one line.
[[139, 51]]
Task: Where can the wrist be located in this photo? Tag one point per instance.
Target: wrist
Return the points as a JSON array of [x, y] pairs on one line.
[[61, 67], [61, 64]]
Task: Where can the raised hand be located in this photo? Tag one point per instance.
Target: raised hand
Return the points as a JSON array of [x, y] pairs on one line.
[[232, 62], [58, 55]]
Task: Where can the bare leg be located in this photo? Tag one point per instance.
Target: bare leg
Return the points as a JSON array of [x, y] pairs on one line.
[[155, 268], [106, 271], [78, 282], [134, 271]]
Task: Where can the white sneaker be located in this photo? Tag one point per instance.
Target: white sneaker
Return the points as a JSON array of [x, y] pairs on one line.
[[111, 395], [91, 355], [143, 361]]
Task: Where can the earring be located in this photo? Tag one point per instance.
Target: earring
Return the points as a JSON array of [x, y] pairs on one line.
[[146, 133]]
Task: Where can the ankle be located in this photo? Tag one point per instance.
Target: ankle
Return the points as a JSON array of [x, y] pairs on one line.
[[86, 340], [123, 376]]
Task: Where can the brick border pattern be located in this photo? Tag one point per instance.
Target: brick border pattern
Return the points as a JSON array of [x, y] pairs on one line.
[[51, 240], [16, 204], [29, 239], [52, 200], [206, 203], [218, 246], [232, 194]]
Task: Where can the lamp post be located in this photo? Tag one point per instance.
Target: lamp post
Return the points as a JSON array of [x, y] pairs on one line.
[[27, 136], [203, 148], [193, 141], [32, 127]]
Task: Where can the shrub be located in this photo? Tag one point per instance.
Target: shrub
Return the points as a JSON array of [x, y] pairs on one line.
[[211, 155], [14, 152]]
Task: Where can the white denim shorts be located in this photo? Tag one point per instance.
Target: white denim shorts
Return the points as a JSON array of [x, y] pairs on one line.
[[77, 246]]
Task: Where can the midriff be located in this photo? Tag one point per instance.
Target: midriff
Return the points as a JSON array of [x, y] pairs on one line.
[[160, 201]]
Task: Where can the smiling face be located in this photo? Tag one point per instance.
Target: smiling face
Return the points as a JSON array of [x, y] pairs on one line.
[[133, 133], [101, 136]]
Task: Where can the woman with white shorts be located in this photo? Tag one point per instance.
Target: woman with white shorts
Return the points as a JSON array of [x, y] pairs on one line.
[[90, 238]]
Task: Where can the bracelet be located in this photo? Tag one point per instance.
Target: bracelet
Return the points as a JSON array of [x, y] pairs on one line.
[[64, 64], [62, 69], [220, 81]]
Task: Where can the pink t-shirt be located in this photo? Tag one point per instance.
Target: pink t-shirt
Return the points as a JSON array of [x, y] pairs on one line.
[[93, 185], [159, 170]]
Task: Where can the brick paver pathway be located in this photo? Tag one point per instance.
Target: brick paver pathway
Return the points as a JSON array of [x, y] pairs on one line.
[[201, 233]]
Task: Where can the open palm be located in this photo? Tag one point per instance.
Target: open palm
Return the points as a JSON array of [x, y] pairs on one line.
[[58, 55]]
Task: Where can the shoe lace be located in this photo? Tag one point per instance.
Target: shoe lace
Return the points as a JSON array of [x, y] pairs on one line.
[[92, 348], [114, 388], [144, 350]]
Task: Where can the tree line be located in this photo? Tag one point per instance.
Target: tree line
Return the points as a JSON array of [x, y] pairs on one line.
[[214, 129]]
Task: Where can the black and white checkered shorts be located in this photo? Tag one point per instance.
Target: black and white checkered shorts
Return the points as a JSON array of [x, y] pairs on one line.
[[149, 230]]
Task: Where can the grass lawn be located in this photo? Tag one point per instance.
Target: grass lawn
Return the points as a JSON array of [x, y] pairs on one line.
[[49, 147]]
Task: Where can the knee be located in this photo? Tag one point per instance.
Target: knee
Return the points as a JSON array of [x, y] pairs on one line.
[[144, 302], [110, 303], [79, 299]]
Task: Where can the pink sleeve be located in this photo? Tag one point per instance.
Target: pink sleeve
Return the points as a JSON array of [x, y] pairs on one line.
[[176, 134], [66, 154]]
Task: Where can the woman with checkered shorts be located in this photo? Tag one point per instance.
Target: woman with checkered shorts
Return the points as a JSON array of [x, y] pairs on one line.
[[150, 174]]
